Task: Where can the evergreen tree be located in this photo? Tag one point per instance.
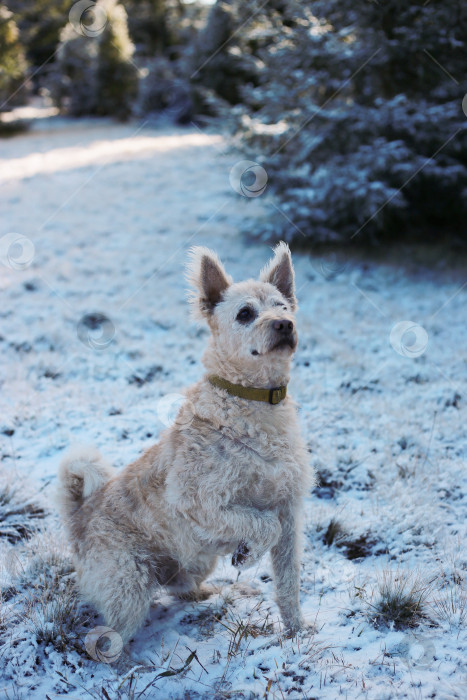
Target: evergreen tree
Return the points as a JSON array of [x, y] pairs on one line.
[[357, 116], [117, 76], [95, 73], [12, 61], [40, 23], [149, 27]]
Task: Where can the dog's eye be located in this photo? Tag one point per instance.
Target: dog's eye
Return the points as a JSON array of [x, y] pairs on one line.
[[244, 315]]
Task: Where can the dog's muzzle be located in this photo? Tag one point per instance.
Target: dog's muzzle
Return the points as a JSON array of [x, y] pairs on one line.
[[283, 333]]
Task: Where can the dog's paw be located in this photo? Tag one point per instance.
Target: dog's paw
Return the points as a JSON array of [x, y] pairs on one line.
[[292, 631], [197, 594], [297, 626], [240, 555]]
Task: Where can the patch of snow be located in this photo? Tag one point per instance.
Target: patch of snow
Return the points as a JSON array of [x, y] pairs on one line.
[[111, 211]]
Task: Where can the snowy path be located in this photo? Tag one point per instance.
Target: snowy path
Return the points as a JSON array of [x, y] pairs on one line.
[[111, 211]]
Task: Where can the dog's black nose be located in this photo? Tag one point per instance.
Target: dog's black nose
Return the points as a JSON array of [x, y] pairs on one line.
[[283, 325]]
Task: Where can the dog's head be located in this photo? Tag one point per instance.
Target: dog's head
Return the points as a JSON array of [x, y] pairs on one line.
[[252, 323]]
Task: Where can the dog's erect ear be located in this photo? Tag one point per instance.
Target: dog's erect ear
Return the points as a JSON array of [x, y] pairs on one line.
[[206, 274], [279, 272]]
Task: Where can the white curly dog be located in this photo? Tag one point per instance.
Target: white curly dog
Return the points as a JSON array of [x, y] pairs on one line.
[[227, 478]]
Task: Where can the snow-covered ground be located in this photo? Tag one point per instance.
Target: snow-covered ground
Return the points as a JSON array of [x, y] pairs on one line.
[[97, 345]]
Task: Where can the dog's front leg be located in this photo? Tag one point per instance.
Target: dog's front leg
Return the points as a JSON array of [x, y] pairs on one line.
[[285, 557], [256, 530]]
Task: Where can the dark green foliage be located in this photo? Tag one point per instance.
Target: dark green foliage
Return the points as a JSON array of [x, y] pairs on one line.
[[164, 89], [149, 26], [117, 77], [165, 79], [96, 74], [12, 62], [40, 23], [218, 63], [73, 83], [357, 116]]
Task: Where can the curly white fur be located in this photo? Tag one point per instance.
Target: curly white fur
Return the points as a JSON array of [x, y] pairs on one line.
[[230, 470]]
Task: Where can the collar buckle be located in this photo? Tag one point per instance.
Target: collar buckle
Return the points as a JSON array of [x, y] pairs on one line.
[[275, 396]]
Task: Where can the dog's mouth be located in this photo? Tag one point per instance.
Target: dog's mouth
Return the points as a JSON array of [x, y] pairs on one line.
[[289, 341]]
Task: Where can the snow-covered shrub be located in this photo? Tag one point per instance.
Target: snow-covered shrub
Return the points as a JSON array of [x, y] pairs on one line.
[[218, 64], [357, 116], [74, 78], [162, 89], [95, 74], [149, 25], [117, 76], [36, 574], [168, 59], [20, 514], [43, 592], [12, 61], [450, 600], [399, 598], [51, 610]]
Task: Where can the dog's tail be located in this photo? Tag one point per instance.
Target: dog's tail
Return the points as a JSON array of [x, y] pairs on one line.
[[82, 471]]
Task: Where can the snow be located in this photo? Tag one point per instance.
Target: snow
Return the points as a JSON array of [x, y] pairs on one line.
[[109, 212]]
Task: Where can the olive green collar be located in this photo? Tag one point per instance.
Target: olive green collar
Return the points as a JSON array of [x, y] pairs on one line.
[[272, 396]]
